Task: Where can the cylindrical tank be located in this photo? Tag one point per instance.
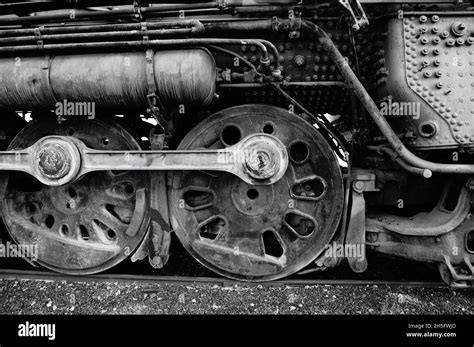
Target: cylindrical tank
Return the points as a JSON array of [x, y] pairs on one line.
[[111, 80]]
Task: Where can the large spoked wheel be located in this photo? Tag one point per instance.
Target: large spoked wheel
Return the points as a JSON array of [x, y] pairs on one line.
[[86, 226], [258, 233]]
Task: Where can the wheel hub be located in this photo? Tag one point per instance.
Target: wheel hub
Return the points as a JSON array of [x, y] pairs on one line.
[[57, 160], [53, 161], [265, 157], [252, 200]]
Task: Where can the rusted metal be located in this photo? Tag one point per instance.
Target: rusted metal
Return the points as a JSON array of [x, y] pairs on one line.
[[194, 24], [259, 159], [82, 227], [374, 112], [109, 80], [258, 232], [355, 11], [439, 236], [437, 222], [362, 181], [359, 90], [414, 170]]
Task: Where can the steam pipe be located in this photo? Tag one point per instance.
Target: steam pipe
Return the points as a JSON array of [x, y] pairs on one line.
[[193, 23], [391, 153]]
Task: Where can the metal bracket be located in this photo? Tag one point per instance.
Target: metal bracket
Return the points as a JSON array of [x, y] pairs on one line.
[[456, 279], [221, 5], [154, 103], [137, 10], [38, 33], [144, 29], [356, 10], [362, 181], [295, 26]]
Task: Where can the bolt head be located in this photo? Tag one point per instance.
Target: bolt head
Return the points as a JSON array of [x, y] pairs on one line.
[[53, 161]]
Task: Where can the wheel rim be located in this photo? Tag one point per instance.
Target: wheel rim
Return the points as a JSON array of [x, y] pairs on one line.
[[86, 226], [258, 233]]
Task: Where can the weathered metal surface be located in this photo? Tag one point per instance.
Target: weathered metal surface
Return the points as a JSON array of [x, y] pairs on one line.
[[110, 80], [443, 240], [83, 227], [430, 64], [434, 223], [258, 232], [259, 159], [157, 242], [355, 236]]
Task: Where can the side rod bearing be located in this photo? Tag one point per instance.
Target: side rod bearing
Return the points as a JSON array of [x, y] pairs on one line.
[[258, 159]]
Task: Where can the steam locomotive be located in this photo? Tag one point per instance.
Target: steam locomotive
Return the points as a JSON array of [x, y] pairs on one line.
[[268, 135]]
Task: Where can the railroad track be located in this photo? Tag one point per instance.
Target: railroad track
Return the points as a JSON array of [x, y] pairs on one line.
[[51, 276]]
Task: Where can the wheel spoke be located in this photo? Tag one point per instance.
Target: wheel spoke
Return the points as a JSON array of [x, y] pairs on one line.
[[112, 221], [82, 224], [244, 234]]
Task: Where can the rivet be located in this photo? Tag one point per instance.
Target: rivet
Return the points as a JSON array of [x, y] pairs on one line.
[[435, 18], [423, 19], [444, 34]]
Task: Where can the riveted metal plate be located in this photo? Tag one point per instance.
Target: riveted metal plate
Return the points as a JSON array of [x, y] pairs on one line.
[[439, 63]]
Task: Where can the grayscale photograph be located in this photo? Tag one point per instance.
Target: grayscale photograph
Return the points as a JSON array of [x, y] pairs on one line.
[[296, 161]]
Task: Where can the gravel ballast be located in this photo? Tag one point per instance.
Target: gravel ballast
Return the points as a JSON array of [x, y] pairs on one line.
[[76, 297]]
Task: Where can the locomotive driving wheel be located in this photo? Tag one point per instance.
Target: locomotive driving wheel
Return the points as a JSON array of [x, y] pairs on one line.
[[86, 226], [258, 232]]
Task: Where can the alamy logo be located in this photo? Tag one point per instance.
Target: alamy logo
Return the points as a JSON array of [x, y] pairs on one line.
[[37, 330], [348, 250], [69, 108], [395, 108], [12, 250]]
